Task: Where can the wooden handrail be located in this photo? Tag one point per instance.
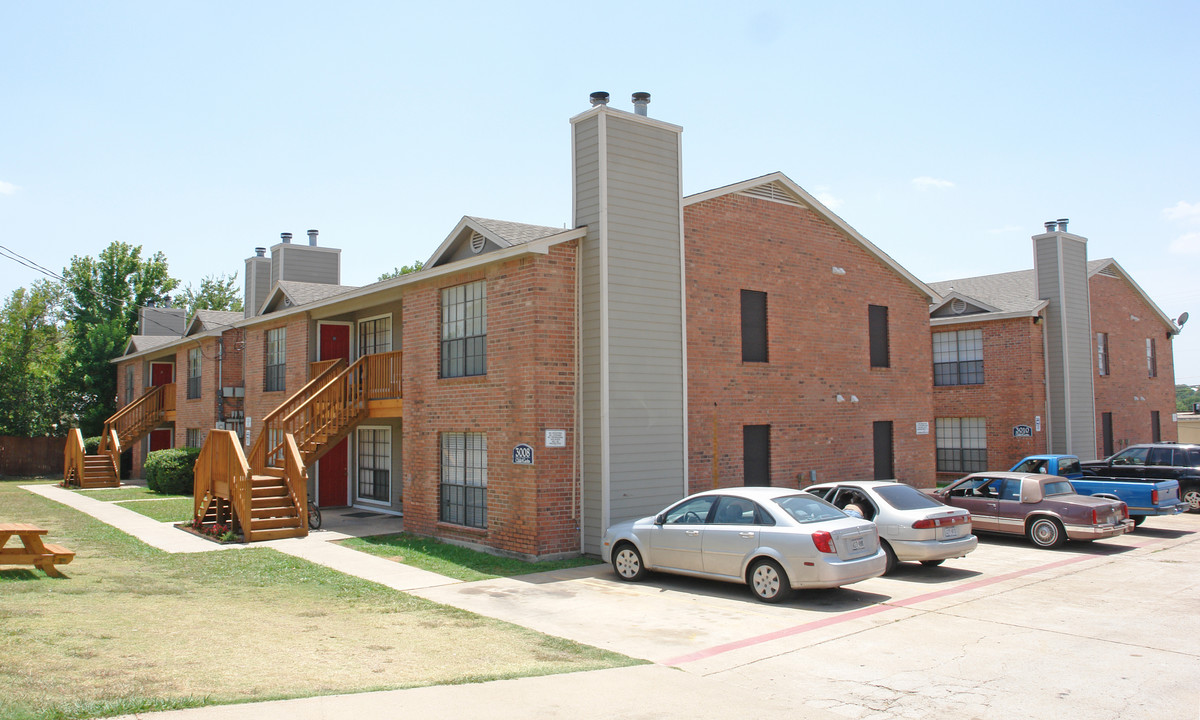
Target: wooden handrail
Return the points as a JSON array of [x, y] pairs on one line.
[[140, 415], [73, 456], [297, 478], [383, 375], [320, 366], [222, 470], [259, 452]]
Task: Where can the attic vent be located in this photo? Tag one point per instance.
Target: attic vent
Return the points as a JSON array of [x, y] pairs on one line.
[[773, 192], [477, 242], [957, 306], [1107, 271]]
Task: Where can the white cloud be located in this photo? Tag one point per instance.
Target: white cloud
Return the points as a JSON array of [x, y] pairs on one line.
[[1188, 244], [827, 198], [925, 183], [7, 188], [1183, 211]]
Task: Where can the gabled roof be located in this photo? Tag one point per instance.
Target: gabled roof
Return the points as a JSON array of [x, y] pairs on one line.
[[1015, 294], [205, 320], [290, 293], [475, 236], [778, 187], [142, 343]]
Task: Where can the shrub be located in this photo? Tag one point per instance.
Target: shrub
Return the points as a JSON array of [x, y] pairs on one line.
[[170, 471], [91, 445]]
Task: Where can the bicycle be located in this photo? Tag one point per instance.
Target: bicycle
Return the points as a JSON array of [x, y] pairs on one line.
[[314, 516]]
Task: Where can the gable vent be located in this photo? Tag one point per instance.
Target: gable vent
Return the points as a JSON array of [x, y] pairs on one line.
[[957, 306], [1107, 271], [477, 242], [773, 192]]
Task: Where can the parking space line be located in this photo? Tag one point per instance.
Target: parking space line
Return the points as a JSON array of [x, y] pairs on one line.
[[867, 612]]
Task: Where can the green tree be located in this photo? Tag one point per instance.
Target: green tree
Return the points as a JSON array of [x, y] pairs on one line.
[[31, 350], [102, 297], [215, 293], [415, 267], [1185, 397]]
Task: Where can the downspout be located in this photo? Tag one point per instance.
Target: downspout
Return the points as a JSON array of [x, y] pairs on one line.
[[220, 381], [576, 480]]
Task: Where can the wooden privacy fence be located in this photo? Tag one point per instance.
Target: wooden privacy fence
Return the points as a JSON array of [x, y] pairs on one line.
[[31, 456]]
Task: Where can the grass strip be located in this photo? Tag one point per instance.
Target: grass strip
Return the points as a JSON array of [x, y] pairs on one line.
[[451, 560], [174, 509]]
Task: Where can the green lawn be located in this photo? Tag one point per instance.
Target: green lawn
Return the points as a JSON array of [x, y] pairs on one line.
[[172, 509], [134, 629], [451, 560]]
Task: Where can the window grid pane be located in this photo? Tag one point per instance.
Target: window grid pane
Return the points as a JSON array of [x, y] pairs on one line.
[[275, 369], [958, 358], [374, 336], [961, 444], [193, 386], [464, 330], [464, 479], [374, 464]]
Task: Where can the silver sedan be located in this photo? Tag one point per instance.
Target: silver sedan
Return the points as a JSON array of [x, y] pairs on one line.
[[772, 539], [912, 525]]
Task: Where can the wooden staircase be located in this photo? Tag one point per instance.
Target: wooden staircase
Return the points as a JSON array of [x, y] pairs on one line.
[[128, 425]]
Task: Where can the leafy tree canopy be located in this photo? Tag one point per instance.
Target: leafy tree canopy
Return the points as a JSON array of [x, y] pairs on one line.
[[1185, 397], [397, 272], [215, 293], [31, 349]]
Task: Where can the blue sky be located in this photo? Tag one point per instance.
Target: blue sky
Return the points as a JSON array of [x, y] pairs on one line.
[[946, 133]]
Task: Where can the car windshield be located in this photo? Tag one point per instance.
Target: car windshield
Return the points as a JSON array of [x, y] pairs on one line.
[[906, 497], [1068, 467], [1059, 487], [807, 508]]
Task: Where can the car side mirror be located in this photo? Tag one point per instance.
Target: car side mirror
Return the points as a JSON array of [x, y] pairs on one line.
[[852, 512], [660, 519]]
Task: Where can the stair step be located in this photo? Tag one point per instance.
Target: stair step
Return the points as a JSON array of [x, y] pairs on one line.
[[274, 524], [269, 491], [269, 508], [279, 534]]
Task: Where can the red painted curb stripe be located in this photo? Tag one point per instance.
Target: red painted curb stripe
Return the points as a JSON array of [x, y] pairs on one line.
[[866, 612]]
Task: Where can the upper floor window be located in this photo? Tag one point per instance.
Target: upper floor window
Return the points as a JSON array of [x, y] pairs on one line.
[[1102, 353], [877, 318], [193, 387], [464, 330], [375, 335], [275, 367], [958, 358], [1151, 358], [754, 326], [129, 396]]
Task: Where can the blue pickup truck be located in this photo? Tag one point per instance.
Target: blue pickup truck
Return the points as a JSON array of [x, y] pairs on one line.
[[1144, 498]]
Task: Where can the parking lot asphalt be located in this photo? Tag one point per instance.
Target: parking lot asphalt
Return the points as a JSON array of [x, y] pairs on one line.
[[1092, 630]]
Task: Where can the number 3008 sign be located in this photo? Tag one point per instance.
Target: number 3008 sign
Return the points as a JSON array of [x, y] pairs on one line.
[[523, 454]]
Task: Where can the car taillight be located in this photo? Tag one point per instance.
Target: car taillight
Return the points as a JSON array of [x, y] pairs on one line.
[[1095, 517], [928, 523], [824, 541], [1154, 497], [1125, 510]]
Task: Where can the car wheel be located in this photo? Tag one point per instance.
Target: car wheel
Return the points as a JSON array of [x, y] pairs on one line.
[[769, 582], [932, 563], [892, 562], [1137, 520], [1191, 496], [627, 562], [1046, 532]]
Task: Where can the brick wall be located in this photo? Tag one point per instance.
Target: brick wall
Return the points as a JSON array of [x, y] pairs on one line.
[[1013, 392], [123, 392], [258, 402], [1115, 305], [529, 388], [818, 348]]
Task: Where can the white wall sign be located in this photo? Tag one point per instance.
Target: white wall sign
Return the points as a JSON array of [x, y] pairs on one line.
[[922, 428], [556, 438], [249, 422], [1037, 423]]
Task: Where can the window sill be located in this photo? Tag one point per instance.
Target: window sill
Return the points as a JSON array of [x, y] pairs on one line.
[[481, 532]]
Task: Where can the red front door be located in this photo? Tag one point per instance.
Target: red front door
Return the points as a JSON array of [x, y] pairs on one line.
[[334, 342], [161, 439], [161, 374]]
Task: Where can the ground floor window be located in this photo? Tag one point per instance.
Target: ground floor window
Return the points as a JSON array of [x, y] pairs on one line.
[[374, 463], [193, 437], [961, 445], [464, 479]]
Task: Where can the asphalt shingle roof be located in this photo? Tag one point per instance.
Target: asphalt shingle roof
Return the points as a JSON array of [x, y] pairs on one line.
[[1009, 292], [303, 293], [515, 233]]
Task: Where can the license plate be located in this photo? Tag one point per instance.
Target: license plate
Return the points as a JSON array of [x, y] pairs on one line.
[[857, 544], [951, 532]]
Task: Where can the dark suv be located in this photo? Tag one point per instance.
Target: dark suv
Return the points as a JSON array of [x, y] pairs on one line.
[[1155, 461]]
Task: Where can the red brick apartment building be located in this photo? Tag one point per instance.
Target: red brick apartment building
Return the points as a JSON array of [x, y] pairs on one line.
[[531, 385], [1070, 357]]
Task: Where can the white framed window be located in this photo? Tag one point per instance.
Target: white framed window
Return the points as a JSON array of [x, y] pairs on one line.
[[464, 330], [464, 479], [958, 357], [193, 437], [374, 471], [375, 335], [193, 364], [961, 444], [275, 366], [129, 390], [1151, 358], [1102, 353]]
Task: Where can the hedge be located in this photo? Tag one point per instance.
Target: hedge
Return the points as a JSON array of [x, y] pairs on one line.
[[91, 445], [170, 471]]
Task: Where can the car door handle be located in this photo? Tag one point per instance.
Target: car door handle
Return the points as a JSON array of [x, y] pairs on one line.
[[746, 534], [692, 532]]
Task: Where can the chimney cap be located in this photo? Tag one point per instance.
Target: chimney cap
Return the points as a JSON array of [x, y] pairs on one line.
[[312, 237], [260, 252], [1050, 225], [640, 101], [1062, 224], [285, 237], [599, 98]]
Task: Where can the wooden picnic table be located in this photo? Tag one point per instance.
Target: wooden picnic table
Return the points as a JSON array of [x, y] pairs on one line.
[[33, 550]]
